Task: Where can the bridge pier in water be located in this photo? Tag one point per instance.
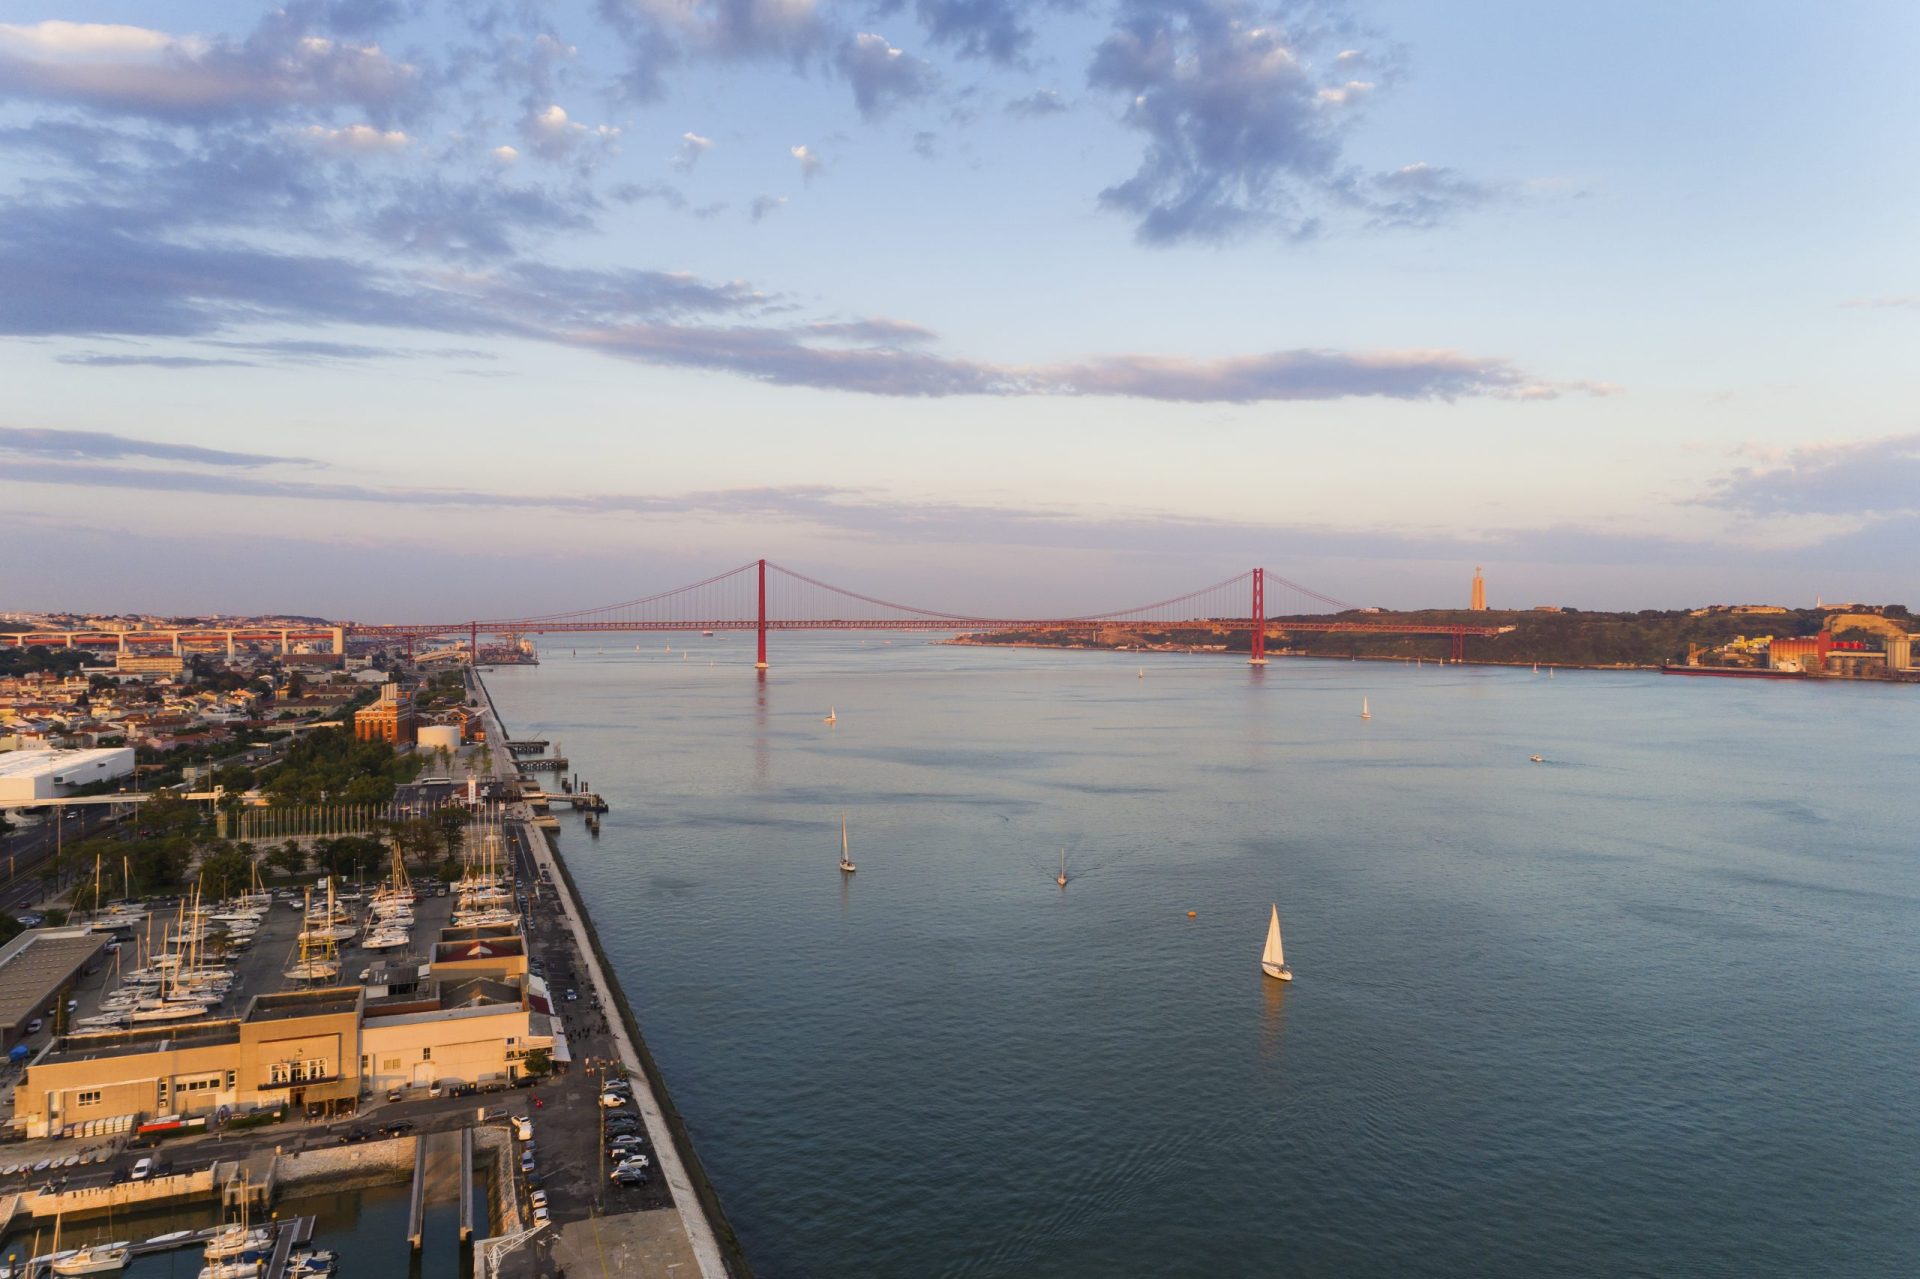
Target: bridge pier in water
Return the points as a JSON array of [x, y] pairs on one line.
[[1257, 630], [760, 662]]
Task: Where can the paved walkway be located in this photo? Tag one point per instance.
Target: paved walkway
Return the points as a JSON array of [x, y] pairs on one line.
[[699, 1232]]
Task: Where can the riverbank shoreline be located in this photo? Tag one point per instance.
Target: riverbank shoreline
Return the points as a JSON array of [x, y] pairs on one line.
[[711, 1236]]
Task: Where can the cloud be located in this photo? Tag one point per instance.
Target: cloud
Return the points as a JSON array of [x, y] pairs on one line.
[[1039, 103], [1855, 478], [89, 274], [763, 205], [687, 154], [1245, 128], [809, 162], [990, 29], [360, 139], [95, 445], [661, 34], [881, 76], [889, 519], [106, 360], [123, 70], [637, 192], [551, 135], [1344, 94], [472, 221], [878, 332], [1230, 113], [504, 155], [878, 366], [1902, 301], [1423, 195]]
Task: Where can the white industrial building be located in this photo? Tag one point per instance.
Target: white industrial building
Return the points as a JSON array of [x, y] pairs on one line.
[[28, 777]]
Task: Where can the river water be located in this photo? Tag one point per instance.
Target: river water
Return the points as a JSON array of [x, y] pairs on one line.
[[1647, 1007]]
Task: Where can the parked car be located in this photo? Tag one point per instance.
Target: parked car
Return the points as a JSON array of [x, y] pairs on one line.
[[626, 1141], [538, 1198], [33, 1027], [622, 1123], [541, 1217], [523, 1127], [397, 1127], [572, 995], [393, 1094], [526, 1162], [433, 1089], [142, 1170], [630, 1177]]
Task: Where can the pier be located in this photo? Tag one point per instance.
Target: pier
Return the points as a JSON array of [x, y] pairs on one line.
[[528, 746], [288, 1235], [694, 1236]]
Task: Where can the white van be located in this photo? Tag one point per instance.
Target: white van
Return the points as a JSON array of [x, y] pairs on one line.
[[523, 1127]]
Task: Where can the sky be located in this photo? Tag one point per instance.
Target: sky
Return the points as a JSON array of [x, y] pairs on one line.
[[412, 309]]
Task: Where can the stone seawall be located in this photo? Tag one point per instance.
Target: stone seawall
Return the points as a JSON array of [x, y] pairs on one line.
[[372, 1163]]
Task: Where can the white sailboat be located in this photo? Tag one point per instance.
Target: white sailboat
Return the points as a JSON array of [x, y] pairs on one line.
[[846, 862], [1273, 960], [1364, 712], [1061, 878], [832, 717]]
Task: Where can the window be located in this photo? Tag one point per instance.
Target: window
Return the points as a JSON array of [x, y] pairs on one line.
[[230, 1078], [426, 1054], [391, 1063], [91, 1097]]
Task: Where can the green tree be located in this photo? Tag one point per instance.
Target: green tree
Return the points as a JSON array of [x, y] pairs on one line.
[[452, 822], [225, 869], [350, 856], [289, 857]]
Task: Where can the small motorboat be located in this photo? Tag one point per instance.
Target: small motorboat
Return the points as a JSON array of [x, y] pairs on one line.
[[1537, 759]]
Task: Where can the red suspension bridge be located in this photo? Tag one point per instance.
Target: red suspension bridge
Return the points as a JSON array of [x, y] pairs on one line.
[[762, 596]]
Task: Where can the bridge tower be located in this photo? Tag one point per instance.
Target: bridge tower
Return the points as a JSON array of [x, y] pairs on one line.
[[1257, 632], [760, 663]]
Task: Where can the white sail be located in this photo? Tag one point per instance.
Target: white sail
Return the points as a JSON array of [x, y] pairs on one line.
[[1364, 712], [1273, 954]]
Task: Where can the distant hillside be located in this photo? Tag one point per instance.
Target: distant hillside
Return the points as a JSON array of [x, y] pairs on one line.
[[1567, 638]]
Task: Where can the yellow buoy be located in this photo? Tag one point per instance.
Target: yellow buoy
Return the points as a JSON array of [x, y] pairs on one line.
[[1193, 914]]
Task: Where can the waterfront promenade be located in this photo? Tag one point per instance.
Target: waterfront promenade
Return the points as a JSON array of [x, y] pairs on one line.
[[643, 1242]]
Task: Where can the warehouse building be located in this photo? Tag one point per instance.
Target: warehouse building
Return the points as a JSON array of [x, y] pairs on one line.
[[36, 970], [29, 777]]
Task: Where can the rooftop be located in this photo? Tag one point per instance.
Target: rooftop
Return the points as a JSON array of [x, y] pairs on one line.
[[126, 1043], [33, 763], [303, 1003], [34, 965]]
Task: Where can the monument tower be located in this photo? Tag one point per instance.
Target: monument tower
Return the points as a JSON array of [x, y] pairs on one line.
[[1479, 602]]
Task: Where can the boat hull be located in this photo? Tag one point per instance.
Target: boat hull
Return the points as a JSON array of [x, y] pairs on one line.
[[1279, 972]]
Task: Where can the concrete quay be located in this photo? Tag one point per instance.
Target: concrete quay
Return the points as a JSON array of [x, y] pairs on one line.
[[695, 1238]]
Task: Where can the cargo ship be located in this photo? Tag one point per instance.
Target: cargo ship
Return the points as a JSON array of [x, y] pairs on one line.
[[1729, 672]]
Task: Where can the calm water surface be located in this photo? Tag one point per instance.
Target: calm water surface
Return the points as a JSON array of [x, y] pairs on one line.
[[1646, 1008]]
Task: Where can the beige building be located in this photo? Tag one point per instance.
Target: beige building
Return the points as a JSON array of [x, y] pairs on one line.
[[299, 1049], [465, 1032]]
